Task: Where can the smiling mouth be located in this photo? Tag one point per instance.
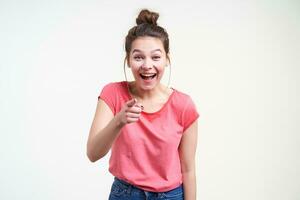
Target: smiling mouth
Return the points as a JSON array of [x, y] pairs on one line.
[[147, 76]]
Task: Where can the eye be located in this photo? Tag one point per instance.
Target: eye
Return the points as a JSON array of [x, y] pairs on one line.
[[156, 57], [138, 57]]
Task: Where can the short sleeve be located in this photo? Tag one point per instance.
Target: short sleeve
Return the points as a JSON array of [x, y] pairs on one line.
[[189, 114], [108, 95]]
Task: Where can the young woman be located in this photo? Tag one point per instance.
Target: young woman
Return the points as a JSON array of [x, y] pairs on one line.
[[150, 128]]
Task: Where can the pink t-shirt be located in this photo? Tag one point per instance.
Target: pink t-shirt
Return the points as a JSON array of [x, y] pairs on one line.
[[145, 153]]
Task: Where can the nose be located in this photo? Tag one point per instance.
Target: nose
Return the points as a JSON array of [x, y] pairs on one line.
[[147, 64]]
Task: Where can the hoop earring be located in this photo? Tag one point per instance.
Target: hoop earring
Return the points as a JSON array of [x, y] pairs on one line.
[[169, 79], [127, 84], [124, 68]]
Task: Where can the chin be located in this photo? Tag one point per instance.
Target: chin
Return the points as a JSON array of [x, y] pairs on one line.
[[147, 87], [147, 84]]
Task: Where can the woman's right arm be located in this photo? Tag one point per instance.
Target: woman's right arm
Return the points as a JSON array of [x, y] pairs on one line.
[[106, 127]]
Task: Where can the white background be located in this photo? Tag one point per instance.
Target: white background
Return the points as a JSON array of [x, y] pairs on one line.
[[238, 60]]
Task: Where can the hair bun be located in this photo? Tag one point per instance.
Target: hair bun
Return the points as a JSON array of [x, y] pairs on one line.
[[146, 16]]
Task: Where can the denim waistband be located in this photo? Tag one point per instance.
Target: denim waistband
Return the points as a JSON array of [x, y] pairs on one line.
[[124, 182], [133, 186]]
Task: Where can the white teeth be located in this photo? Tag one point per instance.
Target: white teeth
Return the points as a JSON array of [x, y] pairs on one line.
[[147, 75]]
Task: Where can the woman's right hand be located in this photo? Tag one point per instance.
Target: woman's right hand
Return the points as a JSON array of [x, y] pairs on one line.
[[130, 112]]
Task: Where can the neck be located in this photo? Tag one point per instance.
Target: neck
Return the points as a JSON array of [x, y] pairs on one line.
[[159, 90]]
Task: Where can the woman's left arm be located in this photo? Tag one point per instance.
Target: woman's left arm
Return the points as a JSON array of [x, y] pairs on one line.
[[187, 152]]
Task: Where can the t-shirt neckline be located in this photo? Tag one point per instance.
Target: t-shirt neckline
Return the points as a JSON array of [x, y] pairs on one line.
[[156, 112]]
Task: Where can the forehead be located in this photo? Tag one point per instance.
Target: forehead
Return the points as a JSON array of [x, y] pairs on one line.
[[147, 45]]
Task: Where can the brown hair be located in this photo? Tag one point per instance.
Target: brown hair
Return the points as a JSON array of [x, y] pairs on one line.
[[146, 26]]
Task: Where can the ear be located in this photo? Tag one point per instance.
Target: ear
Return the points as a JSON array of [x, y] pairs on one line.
[[168, 59], [128, 65], [126, 60]]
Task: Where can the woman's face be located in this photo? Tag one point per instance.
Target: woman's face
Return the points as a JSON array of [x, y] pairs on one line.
[[147, 60]]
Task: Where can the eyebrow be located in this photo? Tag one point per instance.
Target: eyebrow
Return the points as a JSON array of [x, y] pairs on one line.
[[137, 50]]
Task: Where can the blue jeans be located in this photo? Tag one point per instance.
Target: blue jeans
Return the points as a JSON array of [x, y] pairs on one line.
[[122, 190]]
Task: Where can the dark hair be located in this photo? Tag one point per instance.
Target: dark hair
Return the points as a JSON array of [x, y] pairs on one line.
[[146, 26]]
